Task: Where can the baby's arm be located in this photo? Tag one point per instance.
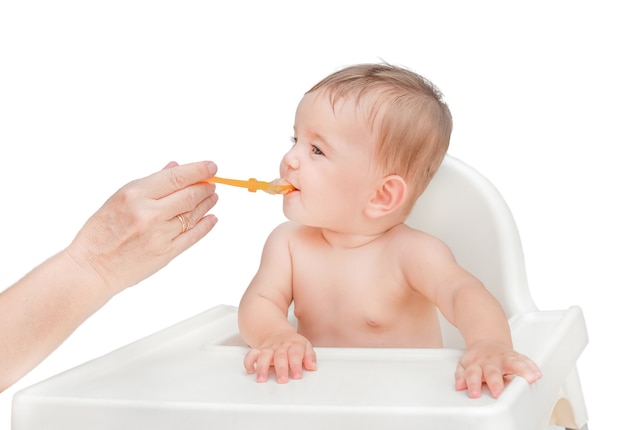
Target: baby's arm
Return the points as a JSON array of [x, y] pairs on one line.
[[489, 355], [263, 322], [468, 305]]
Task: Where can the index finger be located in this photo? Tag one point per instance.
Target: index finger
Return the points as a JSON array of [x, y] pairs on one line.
[[177, 177]]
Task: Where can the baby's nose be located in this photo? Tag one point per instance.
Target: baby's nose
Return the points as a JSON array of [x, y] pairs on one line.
[[290, 160]]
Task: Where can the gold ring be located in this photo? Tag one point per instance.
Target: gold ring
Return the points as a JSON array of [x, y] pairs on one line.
[[184, 223]]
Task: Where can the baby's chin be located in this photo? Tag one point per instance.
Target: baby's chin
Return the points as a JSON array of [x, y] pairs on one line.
[[292, 211]]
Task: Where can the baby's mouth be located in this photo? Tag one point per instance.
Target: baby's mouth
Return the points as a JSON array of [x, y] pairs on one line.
[[281, 186]]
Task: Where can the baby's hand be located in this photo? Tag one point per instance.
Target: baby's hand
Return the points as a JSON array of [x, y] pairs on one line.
[[286, 352], [491, 363]]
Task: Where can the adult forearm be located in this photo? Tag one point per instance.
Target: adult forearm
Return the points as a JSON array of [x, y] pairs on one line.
[[41, 310]]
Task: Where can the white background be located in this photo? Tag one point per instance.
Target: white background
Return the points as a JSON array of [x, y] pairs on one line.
[[95, 94]]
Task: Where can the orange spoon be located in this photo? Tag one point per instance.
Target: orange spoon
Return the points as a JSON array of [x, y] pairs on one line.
[[277, 186]]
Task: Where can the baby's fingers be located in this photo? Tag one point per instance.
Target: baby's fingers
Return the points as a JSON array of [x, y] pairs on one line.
[[524, 367], [281, 366], [249, 361], [310, 359], [260, 361], [301, 357], [263, 364], [288, 359], [470, 378], [494, 379]]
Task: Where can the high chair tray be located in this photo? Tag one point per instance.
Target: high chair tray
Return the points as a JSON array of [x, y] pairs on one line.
[[191, 376]]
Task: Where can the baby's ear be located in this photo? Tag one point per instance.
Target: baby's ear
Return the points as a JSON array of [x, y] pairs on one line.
[[390, 195]]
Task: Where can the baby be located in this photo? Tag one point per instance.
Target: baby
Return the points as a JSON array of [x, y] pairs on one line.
[[367, 141]]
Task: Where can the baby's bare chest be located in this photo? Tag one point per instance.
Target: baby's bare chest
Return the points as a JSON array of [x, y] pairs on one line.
[[369, 279], [362, 299]]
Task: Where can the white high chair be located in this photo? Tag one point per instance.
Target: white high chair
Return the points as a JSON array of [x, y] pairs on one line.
[[190, 376]]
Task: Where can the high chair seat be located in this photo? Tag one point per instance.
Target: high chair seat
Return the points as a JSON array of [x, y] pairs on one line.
[[191, 375]]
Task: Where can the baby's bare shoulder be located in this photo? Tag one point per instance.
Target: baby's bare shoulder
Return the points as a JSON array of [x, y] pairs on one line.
[[404, 232], [294, 232], [287, 227], [406, 239]]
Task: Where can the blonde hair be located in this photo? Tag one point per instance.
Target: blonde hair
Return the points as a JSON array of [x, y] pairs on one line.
[[412, 121]]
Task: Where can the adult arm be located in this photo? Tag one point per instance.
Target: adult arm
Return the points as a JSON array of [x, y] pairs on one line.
[[133, 235]]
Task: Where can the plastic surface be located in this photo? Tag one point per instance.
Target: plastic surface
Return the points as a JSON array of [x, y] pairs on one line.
[[191, 375]]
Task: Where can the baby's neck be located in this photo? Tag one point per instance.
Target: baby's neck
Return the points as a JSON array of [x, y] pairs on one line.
[[344, 240]]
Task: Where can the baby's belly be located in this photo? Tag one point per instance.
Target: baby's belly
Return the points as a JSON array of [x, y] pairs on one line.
[[367, 332]]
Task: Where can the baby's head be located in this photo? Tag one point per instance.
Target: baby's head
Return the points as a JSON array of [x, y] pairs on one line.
[[408, 119]]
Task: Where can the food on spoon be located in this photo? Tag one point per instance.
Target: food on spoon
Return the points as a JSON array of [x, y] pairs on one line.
[[279, 186]]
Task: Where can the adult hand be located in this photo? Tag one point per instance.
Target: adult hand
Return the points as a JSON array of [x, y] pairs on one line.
[[147, 223]]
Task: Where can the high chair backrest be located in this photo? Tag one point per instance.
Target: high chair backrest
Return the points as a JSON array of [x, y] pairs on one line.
[[462, 208]]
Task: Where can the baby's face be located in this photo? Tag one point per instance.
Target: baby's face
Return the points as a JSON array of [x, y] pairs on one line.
[[331, 164]]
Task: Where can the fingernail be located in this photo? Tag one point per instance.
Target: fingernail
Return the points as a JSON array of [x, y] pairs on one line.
[[212, 167]]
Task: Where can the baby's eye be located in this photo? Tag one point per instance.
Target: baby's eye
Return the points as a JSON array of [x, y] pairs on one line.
[[315, 150], [294, 140]]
